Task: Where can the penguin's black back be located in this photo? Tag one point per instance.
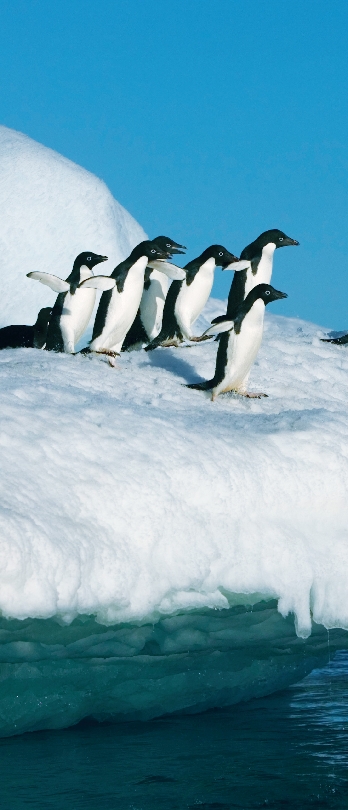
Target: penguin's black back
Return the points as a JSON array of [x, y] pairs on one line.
[[102, 311], [170, 326], [220, 366], [14, 337], [54, 342], [136, 334]]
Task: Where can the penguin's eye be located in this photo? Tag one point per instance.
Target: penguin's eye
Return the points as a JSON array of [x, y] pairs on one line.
[[281, 239], [89, 258], [168, 245], [267, 292], [154, 251], [221, 253]]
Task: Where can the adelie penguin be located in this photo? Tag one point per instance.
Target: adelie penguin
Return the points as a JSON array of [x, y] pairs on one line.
[[339, 341], [74, 304], [118, 307], [148, 321], [240, 340], [259, 257], [187, 298], [28, 337]]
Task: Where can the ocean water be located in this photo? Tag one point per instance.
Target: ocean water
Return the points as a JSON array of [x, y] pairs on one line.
[[289, 750]]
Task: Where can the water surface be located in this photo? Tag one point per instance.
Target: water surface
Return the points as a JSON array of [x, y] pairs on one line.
[[289, 750]]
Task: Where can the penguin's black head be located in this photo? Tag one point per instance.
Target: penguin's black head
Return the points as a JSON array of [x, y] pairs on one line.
[[165, 243], [273, 236], [89, 259], [222, 256], [268, 293], [43, 317], [149, 249]]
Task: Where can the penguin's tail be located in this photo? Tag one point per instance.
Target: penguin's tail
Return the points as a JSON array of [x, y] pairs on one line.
[[202, 386], [339, 341]]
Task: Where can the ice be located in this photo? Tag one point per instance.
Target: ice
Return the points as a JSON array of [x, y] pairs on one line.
[[137, 516], [50, 211], [56, 675], [159, 552]]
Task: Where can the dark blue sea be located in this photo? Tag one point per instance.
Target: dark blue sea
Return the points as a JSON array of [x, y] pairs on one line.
[[289, 750]]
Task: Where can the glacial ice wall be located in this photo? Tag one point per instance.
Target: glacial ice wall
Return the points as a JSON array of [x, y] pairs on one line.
[[53, 675], [51, 210]]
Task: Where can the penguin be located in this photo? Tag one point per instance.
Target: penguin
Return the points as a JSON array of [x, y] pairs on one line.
[[339, 341], [118, 307], [186, 299], [29, 337], [259, 257], [148, 321], [240, 340], [74, 304]]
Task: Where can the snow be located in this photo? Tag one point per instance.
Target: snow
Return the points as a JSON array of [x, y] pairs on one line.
[[50, 211], [127, 496]]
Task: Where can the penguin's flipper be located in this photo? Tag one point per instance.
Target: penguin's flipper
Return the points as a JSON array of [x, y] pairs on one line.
[[202, 386], [219, 319], [338, 341], [217, 328], [241, 265], [171, 270], [99, 283], [54, 282]]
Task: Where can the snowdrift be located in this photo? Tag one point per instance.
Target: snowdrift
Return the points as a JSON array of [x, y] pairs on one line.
[[51, 210], [161, 552]]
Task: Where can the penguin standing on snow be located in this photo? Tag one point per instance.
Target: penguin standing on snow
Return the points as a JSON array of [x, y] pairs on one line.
[[148, 321], [259, 257], [29, 337], [118, 307], [187, 298], [74, 304], [240, 341]]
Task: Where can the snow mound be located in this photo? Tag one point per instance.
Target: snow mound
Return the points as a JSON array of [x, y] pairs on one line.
[[129, 497], [51, 210]]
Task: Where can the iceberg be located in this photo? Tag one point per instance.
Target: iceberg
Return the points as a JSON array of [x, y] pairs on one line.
[[159, 552], [51, 210]]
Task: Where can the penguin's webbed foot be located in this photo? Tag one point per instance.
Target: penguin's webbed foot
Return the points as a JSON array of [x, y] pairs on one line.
[[252, 394], [200, 338], [109, 354]]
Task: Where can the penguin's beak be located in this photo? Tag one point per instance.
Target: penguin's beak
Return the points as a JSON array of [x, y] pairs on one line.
[[279, 294], [230, 259], [176, 245], [289, 241], [103, 258]]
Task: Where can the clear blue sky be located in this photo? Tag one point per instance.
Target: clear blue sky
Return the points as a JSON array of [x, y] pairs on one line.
[[210, 120]]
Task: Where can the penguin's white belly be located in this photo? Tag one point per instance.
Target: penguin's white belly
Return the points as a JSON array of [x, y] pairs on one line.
[[122, 309], [264, 270], [242, 349], [192, 298], [152, 303], [75, 316]]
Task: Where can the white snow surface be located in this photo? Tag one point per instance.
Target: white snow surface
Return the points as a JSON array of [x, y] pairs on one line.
[[50, 211], [128, 496]]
